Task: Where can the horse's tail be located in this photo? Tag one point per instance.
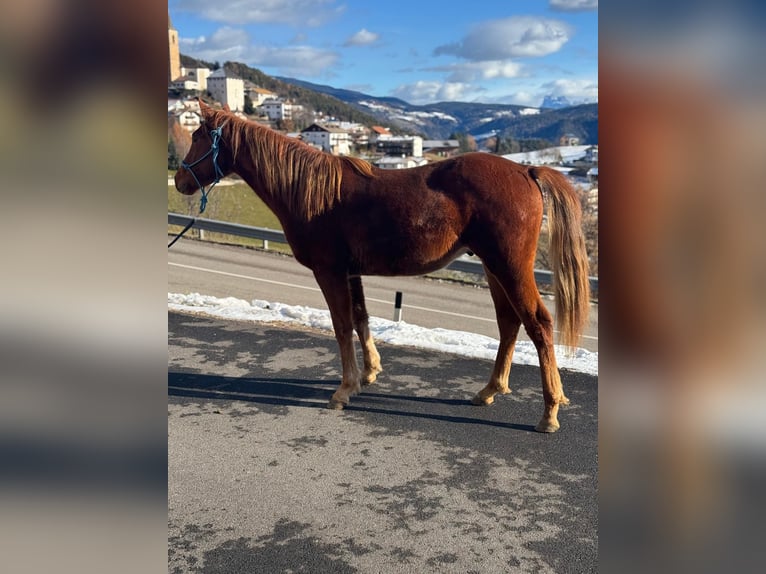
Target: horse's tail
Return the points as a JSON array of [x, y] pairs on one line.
[[567, 252]]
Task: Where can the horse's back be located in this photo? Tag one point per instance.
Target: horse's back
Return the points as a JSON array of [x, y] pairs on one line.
[[491, 186]]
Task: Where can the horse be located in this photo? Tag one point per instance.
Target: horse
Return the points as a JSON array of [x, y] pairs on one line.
[[345, 218]]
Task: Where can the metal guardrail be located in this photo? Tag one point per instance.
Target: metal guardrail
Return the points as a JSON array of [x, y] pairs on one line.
[[464, 265]]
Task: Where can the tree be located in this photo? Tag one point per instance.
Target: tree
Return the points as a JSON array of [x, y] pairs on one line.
[[507, 145], [173, 161], [285, 125], [249, 108], [179, 142], [466, 142], [589, 205]]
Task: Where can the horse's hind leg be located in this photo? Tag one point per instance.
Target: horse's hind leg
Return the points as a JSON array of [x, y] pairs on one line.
[[361, 323], [335, 287], [508, 323], [525, 298]]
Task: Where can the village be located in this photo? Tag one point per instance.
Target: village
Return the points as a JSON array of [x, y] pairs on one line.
[[377, 144], [336, 136]]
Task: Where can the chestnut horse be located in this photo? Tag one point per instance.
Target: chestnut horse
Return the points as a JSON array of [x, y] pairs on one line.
[[345, 218]]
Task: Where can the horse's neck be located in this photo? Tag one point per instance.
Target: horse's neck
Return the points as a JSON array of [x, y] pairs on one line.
[[274, 200], [248, 175], [247, 172]]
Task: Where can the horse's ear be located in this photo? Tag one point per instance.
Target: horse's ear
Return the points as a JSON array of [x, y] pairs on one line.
[[226, 108], [204, 108]]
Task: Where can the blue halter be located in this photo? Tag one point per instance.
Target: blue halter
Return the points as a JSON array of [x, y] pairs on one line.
[[214, 149]]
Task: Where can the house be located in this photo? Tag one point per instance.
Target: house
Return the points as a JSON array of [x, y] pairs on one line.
[[378, 133], [400, 145], [192, 79], [361, 138], [278, 109], [184, 83], [192, 104], [189, 119], [400, 162], [259, 95], [359, 134], [441, 148], [175, 106], [227, 89], [329, 139], [569, 139]]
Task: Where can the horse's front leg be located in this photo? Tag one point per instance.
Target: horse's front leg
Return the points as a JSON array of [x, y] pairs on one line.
[[335, 287]]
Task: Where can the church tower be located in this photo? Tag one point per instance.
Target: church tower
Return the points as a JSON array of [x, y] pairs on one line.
[[174, 55]]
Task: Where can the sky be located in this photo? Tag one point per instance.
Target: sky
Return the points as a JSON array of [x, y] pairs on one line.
[[490, 51], [394, 333]]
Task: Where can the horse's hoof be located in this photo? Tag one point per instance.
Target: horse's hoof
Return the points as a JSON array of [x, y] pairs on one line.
[[335, 405], [371, 377], [479, 401], [547, 426]]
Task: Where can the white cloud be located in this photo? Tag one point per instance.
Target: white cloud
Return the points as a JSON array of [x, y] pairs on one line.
[[489, 70], [531, 91], [234, 44], [293, 12], [226, 43], [298, 60], [362, 38], [418, 92], [423, 92], [574, 89], [521, 98], [518, 36], [454, 92], [573, 5]]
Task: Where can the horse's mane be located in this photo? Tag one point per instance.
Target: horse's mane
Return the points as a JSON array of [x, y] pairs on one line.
[[305, 178]]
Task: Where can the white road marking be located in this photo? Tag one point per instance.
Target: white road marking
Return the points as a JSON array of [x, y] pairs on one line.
[[237, 275], [317, 290]]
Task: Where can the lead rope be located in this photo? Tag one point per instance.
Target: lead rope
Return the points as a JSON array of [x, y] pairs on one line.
[[185, 229], [214, 149]]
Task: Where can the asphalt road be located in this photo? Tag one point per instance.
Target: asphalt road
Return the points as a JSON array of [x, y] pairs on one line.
[[411, 478], [230, 271]]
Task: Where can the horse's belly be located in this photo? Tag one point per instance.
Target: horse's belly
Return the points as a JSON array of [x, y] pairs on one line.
[[409, 262]]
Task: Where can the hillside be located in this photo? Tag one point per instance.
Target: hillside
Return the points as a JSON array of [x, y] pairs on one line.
[[311, 99], [581, 121], [432, 121], [443, 119]]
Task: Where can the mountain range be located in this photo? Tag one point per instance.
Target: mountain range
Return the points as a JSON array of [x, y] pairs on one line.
[[440, 120], [431, 121]]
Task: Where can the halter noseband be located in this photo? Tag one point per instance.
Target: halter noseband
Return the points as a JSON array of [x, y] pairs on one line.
[[214, 149]]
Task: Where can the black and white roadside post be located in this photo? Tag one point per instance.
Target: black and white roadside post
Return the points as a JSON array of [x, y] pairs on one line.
[[398, 307]]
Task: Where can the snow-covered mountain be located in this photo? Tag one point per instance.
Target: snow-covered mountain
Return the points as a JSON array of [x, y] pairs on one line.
[[432, 121], [440, 120]]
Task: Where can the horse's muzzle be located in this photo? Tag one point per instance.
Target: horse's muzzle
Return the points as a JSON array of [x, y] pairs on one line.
[[185, 183]]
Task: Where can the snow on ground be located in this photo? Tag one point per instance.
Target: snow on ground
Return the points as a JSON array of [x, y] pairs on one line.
[[556, 154], [394, 333]]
